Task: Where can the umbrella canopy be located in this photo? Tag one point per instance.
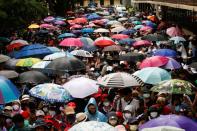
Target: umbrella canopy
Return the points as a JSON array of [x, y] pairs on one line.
[[4, 58], [118, 29], [14, 46], [88, 44], [128, 31], [177, 39], [92, 126], [154, 61], [8, 91], [146, 28], [132, 57], [122, 19], [20, 41], [120, 80], [163, 128], [49, 19], [113, 48], [174, 86], [103, 38], [81, 87], [93, 16], [81, 53], [154, 37], [66, 64], [141, 43], [173, 31], [87, 30], [113, 22], [119, 36], [127, 41], [33, 26], [152, 75], [178, 121], [27, 62], [136, 22], [76, 26], [11, 63], [34, 77], [34, 50], [66, 35], [172, 64], [47, 26], [51, 92], [165, 52], [103, 43], [56, 55], [59, 22], [71, 42], [80, 20], [101, 30], [9, 74]]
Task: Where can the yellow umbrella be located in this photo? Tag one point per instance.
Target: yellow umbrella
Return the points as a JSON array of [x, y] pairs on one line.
[[34, 26], [27, 62]]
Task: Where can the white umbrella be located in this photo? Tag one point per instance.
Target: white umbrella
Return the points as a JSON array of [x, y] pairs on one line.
[[122, 19], [120, 80], [177, 39], [20, 41], [40, 65], [92, 126], [81, 87], [56, 55], [101, 30], [103, 38], [113, 22], [163, 128], [81, 53], [118, 29]]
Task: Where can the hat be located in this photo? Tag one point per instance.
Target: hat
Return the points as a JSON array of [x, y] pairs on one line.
[[69, 110], [8, 108], [112, 115], [40, 113], [25, 97], [72, 104], [16, 102], [81, 117]]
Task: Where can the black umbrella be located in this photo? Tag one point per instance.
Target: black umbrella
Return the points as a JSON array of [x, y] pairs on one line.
[[11, 63], [193, 65], [66, 64], [155, 37], [34, 77], [132, 57], [9, 74]]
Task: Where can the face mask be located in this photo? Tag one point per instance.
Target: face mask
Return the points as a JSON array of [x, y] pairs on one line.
[[16, 107], [113, 122], [45, 109], [106, 103], [127, 115], [52, 113], [153, 114], [133, 127]]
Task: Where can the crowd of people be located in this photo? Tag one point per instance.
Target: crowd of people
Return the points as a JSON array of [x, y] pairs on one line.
[[126, 109]]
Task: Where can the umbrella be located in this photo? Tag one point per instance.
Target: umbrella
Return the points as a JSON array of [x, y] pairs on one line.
[[99, 22], [154, 37], [133, 18], [178, 121], [137, 22], [127, 41], [152, 18], [146, 28], [177, 39], [54, 49], [27, 62], [8, 91], [122, 19], [20, 41], [59, 22], [47, 26], [113, 48], [101, 30], [92, 126], [137, 27], [88, 44], [172, 64], [87, 30], [66, 64], [11, 63], [120, 80], [113, 22], [165, 52], [93, 16], [132, 57], [66, 35], [49, 19], [4, 58], [142, 43], [152, 75], [154, 61], [173, 31], [4, 40], [128, 31], [103, 43], [193, 65], [34, 77], [33, 26], [51, 92], [103, 38], [81, 87], [119, 36], [174, 86], [163, 128], [81, 53], [56, 55], [34, 50], [71, 42], [118, 29], [40, 65], [80, 20], [150, 24], [9, 74], [14, 46], [76, 27]]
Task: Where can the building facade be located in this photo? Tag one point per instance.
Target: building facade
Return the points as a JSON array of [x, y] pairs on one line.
[[103, 2]]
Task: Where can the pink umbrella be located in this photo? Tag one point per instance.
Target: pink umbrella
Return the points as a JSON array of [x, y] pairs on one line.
[[154, 61], [46, 26], [76, 26], [49, 19], [71, 42], [146, 28], [59, 22], [142, 43], [120, 36], [174, 31]]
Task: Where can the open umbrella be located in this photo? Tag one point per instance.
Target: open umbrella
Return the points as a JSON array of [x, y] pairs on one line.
[[81, 87], [80, 20], [101, 30], [88, 44], [141, 43], [4, 58], [103, 43], [51, 92], [93, 16], [137, 27], [114, 48], [87, 30], [177, 39], [175, 86], [92, 126], [172, 64], [103, 38], [8, 91], [120, 80], [146, 28], [154, 37], [132, 57], [165, 52], [127, 41], [47, 26], [71, 42], [27, 62], [178, 121], [119, 36], [56, 55], [173, 31], [122, 19], [128, 31], [76, 26], [118, 29], [11, 63], [154, 61], [113, 22], [152, 75], [34, 77], [137, 22], [40, 65], [9, 74], [81, 53], [163, 128], [66, 35], [49, 19], [33, 26]]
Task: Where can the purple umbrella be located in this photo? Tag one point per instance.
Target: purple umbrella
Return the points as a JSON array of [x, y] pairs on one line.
[[171, 120], [172, 64]]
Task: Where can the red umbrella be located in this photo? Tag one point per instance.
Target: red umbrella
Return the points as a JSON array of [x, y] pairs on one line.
[[155, 61], [71, 42], [99, 22], [141, 43], [80, 20], [103, 43], [76, 26], [120, 36], [146, 28], [14, 46]]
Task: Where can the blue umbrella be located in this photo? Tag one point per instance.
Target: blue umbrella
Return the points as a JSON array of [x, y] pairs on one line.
[[165, 52], [93, 16], [54, 49], [8, 91], [128, 32], [34, 50], [150, 23], [66, 35], [172, 64], [87, 30], [88, 44], [127, 41]]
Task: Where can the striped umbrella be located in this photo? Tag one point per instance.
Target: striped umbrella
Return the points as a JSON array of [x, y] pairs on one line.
[[114, 48], [120, 80], [81, 53]]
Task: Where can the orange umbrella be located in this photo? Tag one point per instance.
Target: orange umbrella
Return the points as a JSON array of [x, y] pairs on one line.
[[152, 18], [80, 20], [103, 43]]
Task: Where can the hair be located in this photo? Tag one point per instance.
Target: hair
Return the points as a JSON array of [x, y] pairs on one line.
[[18, 118]]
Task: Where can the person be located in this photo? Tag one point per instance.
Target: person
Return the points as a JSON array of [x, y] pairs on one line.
[[70, 117], [19, 123], [81, 117], [128, 112], [40, 125], [112, 119], [16, 105], [154, 112], [92, 112]]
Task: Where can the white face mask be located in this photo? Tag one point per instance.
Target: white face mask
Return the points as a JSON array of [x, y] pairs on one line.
[[153, 114], [127, 115], [16, 107], [52, 113], [106, 103]]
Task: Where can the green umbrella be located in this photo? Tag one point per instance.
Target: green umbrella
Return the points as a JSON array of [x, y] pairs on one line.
[[174, 86]]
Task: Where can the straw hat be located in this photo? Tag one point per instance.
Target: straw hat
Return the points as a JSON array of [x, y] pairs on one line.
[[81, 117]]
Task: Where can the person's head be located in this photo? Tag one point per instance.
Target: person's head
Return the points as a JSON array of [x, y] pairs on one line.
[[16, 105], [18, 120], [133, 124], [40, 125], [70, 114], [92, 109], [8, 110], [40, 114], [25, 99], [112, 118], [161, 101], [153, 112], [52, 111]]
